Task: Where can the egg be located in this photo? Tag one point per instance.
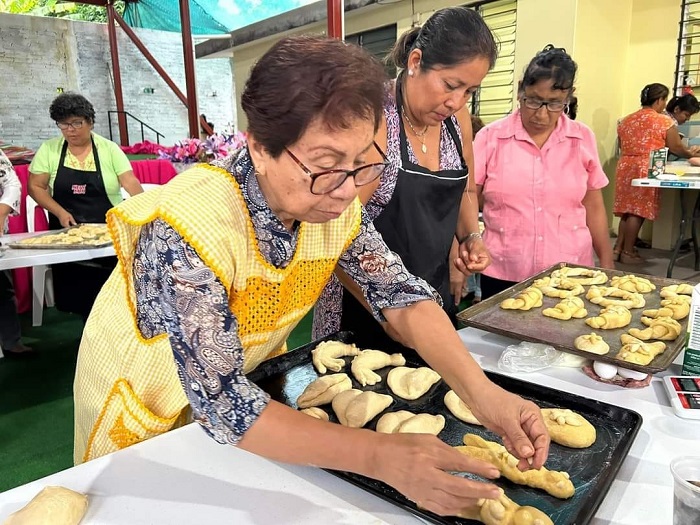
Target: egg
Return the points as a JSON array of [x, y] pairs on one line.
[[604, 370], [631, 374]]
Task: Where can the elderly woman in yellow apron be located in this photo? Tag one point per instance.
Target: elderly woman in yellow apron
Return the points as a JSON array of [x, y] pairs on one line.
[[217, 267]]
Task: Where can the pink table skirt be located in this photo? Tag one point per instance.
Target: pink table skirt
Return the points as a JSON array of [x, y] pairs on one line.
[[147, 171]]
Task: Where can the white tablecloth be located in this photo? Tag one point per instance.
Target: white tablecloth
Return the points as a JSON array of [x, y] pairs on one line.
[[184, 477]]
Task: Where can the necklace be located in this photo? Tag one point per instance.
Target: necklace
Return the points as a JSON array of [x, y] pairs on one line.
[[420, 135]]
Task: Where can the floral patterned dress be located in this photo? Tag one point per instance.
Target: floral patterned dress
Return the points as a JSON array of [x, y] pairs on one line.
[[639, 133]]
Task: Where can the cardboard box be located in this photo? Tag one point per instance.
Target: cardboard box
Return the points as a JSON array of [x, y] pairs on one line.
[[691, 359], [657, 162]]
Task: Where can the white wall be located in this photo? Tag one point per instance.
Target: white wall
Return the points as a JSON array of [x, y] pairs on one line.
[[39, 55]]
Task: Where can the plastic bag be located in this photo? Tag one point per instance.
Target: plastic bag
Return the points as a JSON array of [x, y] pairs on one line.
[[528, 357]]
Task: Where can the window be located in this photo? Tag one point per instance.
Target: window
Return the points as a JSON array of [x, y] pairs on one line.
[[378, 42], [688, 56]]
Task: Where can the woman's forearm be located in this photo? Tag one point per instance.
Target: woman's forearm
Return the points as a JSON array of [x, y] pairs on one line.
[[44, 199]]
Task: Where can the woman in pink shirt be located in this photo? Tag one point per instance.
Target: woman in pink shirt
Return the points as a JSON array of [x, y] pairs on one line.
[[539, 179]]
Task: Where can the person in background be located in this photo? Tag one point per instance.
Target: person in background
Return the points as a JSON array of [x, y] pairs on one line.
[[219, 265], [425, 201], [10, 330], [540, 180], [77, 177], [682, 108], [639, 133]]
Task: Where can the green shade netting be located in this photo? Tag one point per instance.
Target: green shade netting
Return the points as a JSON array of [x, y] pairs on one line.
[[207, 16]]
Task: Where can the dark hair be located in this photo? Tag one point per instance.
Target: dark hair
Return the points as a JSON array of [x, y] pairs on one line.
[[573, 107], [70, 104], [449, 37], [686, 102], [303, 78], [653, 92], [552, 63], [477, 125]]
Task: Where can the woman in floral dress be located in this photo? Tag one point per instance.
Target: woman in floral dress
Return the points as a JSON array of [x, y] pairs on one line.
[[641, 132]]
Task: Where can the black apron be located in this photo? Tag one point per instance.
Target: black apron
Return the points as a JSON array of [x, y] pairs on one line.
[[83, 195], [419, 224]]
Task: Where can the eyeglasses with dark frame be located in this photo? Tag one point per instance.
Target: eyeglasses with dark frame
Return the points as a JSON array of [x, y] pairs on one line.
[[324, 182], [535, 104], [75, 124]]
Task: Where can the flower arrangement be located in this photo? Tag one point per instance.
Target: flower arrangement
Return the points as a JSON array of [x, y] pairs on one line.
[[216, 146]]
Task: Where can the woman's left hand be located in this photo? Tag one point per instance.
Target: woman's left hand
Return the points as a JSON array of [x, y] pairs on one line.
[[473, 257], [517, 421]]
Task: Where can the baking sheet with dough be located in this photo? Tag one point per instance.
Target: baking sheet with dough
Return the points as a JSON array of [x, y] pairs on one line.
[[592, 470]]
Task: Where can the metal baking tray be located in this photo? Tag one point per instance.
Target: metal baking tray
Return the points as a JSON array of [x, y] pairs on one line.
[[592, 470], [59, 246], [532, 326]]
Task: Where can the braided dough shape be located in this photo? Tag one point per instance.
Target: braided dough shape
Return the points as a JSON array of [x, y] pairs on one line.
[[459, 408], [558, 288], [411, 383], [566, 309], [674, 307], [529, 298], [632, 283], [601, 295], [662, 328], [677, 289], [323, 390], [583, 276], [367, 361], [504, 511], [592, 343], [405, 422], [328, 355], [610, 318], [356, 408], [555, 483], [640, 352], [568, 428]]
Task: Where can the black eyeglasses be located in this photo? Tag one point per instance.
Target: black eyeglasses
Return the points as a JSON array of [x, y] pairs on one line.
[[75, 124], [535, 103], [324, 182]]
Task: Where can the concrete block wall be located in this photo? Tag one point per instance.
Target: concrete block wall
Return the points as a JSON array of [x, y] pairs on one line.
[[38, 55]]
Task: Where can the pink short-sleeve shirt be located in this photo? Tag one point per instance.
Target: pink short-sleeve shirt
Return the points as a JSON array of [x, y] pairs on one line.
[[533, 211]]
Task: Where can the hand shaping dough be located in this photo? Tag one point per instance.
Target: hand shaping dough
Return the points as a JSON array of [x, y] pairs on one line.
[[592, 343], [558, 288], [610, 317], [355, 408], [459, 408], [368, 360], [566, 309], [323, 390], [553, 482], [568, 428], [405, 422], [677, 289], [634, 350], [632, 283], [411, 383], [601, 295], [327, 355], [52, 506], [316, 412], [663, 328], [583, 276], [504, 511], [529, 298], [674, 307]]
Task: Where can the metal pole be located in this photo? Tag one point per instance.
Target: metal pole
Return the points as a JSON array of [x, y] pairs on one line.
[[336, 19], [119, 98], [190, 83]]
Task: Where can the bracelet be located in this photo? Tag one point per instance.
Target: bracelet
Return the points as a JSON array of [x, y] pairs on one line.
[[467, 238]]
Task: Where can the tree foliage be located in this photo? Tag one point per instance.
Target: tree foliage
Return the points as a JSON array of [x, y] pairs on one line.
[[59, 9]]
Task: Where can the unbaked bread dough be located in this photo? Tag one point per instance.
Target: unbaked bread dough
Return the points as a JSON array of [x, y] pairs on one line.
[[528, 298], [583, 276], [558, 288], [323, 390], [367, 361], [675, 307], [634, 350], [568, 428], [592, 343], [610, 296], [411, 383], [356, 408], [610, 318], [676, 289], [566, 309], [504, 511], [52, 506], [316, 412], [553, 482], [632, 283], [405, 422], [662, 328], [459, 408], [328, 355]]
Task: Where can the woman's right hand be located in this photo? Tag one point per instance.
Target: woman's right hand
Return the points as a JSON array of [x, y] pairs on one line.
[[419, 466], [66, 219]]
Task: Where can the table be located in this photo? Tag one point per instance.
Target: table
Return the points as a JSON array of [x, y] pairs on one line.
[[185, 477], [687, 216]]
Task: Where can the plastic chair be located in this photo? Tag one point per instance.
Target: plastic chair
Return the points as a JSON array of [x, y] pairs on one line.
[[42, 276]]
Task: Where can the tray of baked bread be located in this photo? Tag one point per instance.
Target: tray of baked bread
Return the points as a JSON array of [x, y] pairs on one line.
[[637, 322], [581, 473], [79, 237]]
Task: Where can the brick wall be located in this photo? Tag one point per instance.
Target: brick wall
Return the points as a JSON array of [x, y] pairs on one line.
[[39, 55]]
